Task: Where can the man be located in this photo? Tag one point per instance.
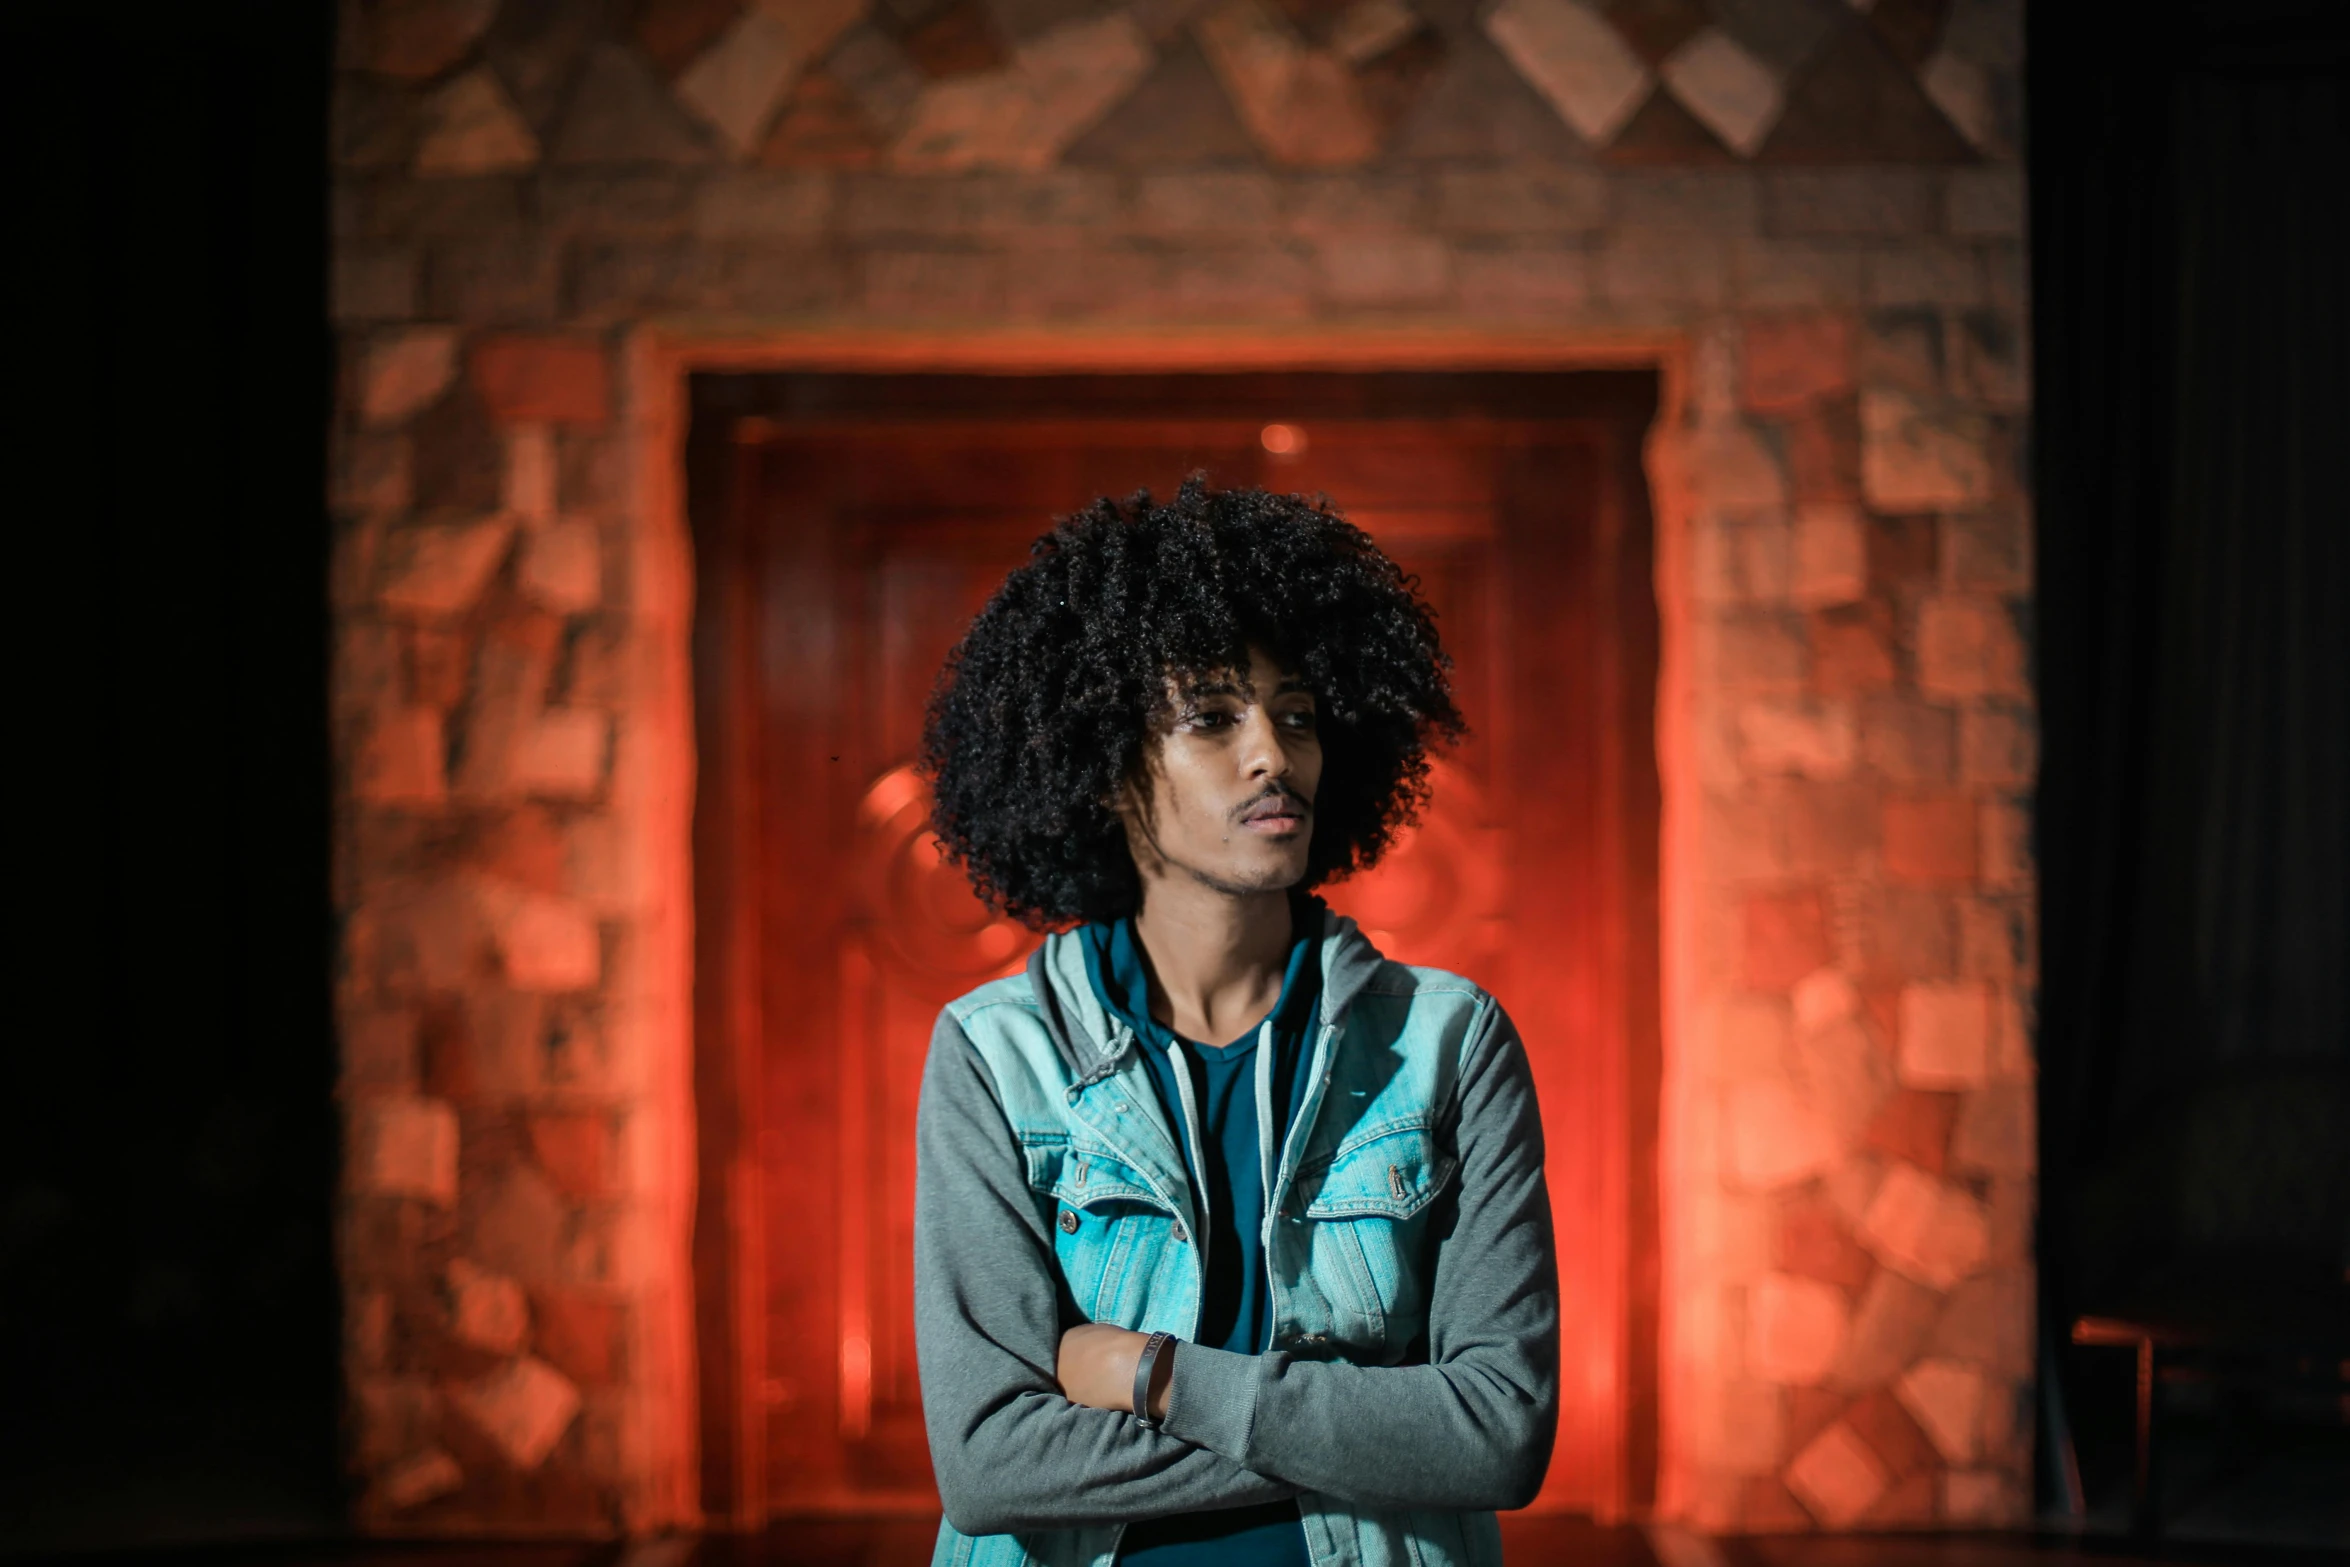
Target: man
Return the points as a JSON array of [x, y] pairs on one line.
[[1231, 1241]]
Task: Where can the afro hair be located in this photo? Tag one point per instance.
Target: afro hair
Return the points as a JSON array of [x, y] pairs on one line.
[[1044, 709]]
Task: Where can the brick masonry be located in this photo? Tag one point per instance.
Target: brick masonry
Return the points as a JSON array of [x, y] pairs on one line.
[[1816, 208]]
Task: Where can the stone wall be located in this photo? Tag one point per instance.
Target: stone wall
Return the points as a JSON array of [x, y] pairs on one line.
[[1809, 211]]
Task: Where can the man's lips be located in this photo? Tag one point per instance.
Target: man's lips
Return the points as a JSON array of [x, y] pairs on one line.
[[1277, 814]]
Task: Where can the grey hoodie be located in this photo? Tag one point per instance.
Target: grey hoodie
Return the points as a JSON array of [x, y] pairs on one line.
[[1461, 1418]]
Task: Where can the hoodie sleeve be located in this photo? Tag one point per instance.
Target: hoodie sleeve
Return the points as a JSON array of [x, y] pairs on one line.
[[1472, 1428], [1010, 1452]]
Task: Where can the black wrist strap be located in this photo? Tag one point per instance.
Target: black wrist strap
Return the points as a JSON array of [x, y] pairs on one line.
[[1152, 1349]]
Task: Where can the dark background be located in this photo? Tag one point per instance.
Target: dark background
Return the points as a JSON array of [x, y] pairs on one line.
[[168, 1314]]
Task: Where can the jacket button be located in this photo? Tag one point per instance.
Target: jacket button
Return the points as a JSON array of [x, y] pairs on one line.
[[1068, 1221], [1181, 1233]]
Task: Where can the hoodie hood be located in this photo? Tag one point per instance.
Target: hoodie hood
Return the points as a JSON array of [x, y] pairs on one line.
[[1092, 1043]]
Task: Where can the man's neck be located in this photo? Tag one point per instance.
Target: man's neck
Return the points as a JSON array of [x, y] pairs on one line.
[[1216, 958]]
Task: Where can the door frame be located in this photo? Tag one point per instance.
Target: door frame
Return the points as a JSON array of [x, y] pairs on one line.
[[714, 1436]]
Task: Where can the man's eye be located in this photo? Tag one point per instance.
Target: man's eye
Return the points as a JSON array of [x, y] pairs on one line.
[[1299, 720]]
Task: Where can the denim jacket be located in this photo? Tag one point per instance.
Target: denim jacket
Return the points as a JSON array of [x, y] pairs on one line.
[[1412, 1384]]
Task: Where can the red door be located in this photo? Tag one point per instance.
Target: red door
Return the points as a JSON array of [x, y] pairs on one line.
[[848, 528]]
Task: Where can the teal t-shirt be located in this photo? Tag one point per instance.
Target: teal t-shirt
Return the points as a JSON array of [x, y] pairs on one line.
[[1236, 1310]]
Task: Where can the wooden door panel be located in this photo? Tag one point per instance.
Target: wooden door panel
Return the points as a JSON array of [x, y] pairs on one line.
[[868, 544]]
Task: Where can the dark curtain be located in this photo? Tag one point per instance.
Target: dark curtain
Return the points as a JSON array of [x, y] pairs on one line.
[[2191, 275], [168, 1319]]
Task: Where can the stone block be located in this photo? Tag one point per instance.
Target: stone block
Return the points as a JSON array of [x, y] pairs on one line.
[[1794, 1328], [440, 569], [1757, 651], [1852, 649], [1809, 738], [1785, 938], [486, 1310], [1212, 201], [1824, 998], [578, 1333], [1829, 830], [762, 204], [1985, 203], [1384, 271], [1683, 203], [1776, 274], [1830, 563], [416, 40], [1945, 1397], [392, 1417], [1994, 940], [1910, 934], [527, 487], [1923, 272], [1968, 648], [516, 1224], [1998, 745], [578, 1151], [1913, 1127], [1353, 204], [1776, 1137], [1892, 1323], [374, 476], [1576, 60], [1837, 1477], [1844, 1076], [739, 81], [1983, 1499], [1640, 270], [1823, 452], [1989, 1322], [934, 284], [1987, 553], [403, 1147], [1546, 200], [1993, 360], [543, 943], [1925, 1229], [1997, 1131], [1931, 838], [562, 567], [401, 761], [2006, 831], [1812, 1241], [410, 1482], [495, 279], [1879, 201], [1738, 1428], [532, 379], [562, 754], [1908, 741], [1879, 1418], [1852, 1186], [373, 283], [1788, 361], [1051, 210], [1921, 457], [524, 1407], [400, 372], [1523, 282], [378, 1055], [471, 127], [1946, 1033]]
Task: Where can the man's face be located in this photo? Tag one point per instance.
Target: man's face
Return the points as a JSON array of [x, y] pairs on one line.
[[1225, 795]]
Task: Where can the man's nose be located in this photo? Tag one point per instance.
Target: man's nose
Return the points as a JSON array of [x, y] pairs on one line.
[[1262, 753]]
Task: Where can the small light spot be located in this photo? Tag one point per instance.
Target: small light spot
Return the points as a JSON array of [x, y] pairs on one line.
[[1283, 440]]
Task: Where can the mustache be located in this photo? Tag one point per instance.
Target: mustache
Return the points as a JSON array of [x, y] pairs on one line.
[[1279, 791]]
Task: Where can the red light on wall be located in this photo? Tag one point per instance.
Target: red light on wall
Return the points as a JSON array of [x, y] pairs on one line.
[[1283, 440]]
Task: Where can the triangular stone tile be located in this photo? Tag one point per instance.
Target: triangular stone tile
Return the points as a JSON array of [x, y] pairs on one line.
[[1302, 105], [1662, 131], [416, 40], [1909, 28], [1178, 117], [619, 113], [958, 40], [1478, 106], [673, 33], [538, 47], [821, 127], [471, 127], [1856, 103], [1783, 34], [1655, 28]]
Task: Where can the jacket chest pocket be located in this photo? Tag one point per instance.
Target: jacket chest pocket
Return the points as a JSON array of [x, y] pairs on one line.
[[1102, 1217], [1366, 1213]]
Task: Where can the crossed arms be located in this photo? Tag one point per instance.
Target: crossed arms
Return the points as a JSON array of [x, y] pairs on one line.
[[1469, 1430]]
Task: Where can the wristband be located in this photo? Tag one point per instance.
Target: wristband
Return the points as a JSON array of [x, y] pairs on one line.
[[1152, 1348]]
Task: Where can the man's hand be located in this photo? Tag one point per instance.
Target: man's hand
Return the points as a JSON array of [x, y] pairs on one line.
[[1096, 1364]]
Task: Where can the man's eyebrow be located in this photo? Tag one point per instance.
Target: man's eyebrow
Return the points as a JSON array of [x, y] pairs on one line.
[[1200, 688], [1291, 683]]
